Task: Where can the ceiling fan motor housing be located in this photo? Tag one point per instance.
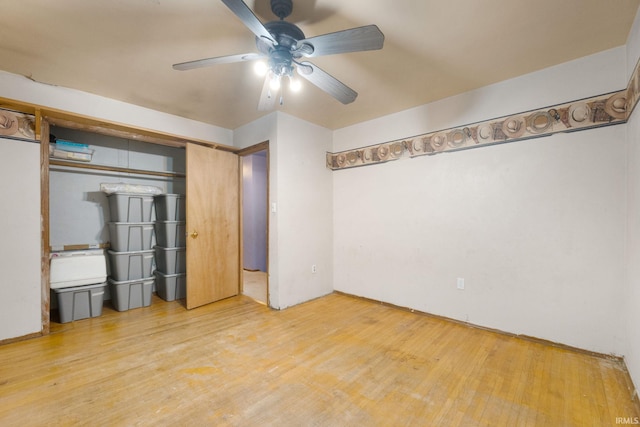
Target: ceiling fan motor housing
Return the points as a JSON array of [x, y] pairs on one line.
[[285, 34], [281, 8], [280, 53]]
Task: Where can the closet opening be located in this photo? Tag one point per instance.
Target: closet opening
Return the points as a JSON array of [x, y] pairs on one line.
[[83, 223]]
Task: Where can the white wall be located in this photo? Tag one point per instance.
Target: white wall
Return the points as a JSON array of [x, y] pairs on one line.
[[20, 282], [536, 228], [633, 46], [589, 76], [632, 356], [20, 88], [305, 211], [300, 186]]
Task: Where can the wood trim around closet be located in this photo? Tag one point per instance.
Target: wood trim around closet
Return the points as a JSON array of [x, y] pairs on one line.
[[87, 124], [43, 128], [253, 149]]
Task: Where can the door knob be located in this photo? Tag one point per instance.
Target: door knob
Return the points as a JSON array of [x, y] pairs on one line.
[[194, 234]]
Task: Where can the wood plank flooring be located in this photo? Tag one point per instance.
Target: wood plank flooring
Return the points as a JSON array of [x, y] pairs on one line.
[[334, 361], [255, 285]]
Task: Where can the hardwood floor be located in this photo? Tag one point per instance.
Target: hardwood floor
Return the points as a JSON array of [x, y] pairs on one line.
[[255, 285], [334, 361]]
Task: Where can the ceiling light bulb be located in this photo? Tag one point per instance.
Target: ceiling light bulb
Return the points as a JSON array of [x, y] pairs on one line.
[[294, 84], [261, 68], [275, 83]]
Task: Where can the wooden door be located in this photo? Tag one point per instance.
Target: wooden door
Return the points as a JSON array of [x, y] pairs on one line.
[[213, 225]]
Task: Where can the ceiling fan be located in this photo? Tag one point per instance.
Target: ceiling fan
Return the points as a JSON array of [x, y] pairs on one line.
[[282, 47]]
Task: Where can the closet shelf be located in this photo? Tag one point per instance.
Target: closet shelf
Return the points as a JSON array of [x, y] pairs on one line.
[[56, 162]]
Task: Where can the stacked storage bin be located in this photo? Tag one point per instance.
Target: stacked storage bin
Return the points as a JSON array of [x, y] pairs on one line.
[[131, 255], [170, 250], [78, 280]]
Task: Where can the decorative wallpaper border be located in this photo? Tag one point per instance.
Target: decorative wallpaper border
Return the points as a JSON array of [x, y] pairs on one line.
[[603, 110]]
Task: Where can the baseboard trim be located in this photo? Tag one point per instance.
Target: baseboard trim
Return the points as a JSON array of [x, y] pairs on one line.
[[22, 338]]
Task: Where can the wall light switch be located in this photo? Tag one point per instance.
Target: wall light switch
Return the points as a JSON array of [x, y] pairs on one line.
[[274, 207], [460, 283]]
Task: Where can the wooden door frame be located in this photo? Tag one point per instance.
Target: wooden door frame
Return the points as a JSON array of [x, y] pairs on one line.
[[261, 146], [42, 129]]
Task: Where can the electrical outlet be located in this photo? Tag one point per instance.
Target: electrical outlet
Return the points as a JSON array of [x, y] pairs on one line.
[[314, 269], [460, 283]]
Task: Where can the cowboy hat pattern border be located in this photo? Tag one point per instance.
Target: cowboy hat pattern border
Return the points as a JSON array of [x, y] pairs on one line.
[[603, 110]]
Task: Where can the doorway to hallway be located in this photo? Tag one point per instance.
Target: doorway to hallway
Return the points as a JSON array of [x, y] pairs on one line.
[[255, 202]]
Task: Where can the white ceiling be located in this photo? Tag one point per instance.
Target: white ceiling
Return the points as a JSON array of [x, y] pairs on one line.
[[124, 49]]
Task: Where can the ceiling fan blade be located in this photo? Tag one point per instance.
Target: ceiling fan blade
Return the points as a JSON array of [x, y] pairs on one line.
[[268, 96], [357, 39], [217, 60], [327, 82], [248, 18]]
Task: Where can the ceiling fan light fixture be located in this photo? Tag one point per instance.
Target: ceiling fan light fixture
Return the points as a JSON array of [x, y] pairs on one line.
[[274, 84], [294, 84], [261, 68]]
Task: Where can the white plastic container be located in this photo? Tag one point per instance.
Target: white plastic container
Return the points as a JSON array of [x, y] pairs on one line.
[[77, 268]]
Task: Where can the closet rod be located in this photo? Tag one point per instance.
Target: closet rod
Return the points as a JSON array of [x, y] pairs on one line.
[[53, 162]]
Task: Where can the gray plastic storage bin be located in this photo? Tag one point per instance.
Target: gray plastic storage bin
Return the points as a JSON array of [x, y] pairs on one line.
[[80, 302], [170, 234], [131, 294], [130, 236], [170, 207], [130, 207], [130, 265], [171, 286], [171, 260]]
